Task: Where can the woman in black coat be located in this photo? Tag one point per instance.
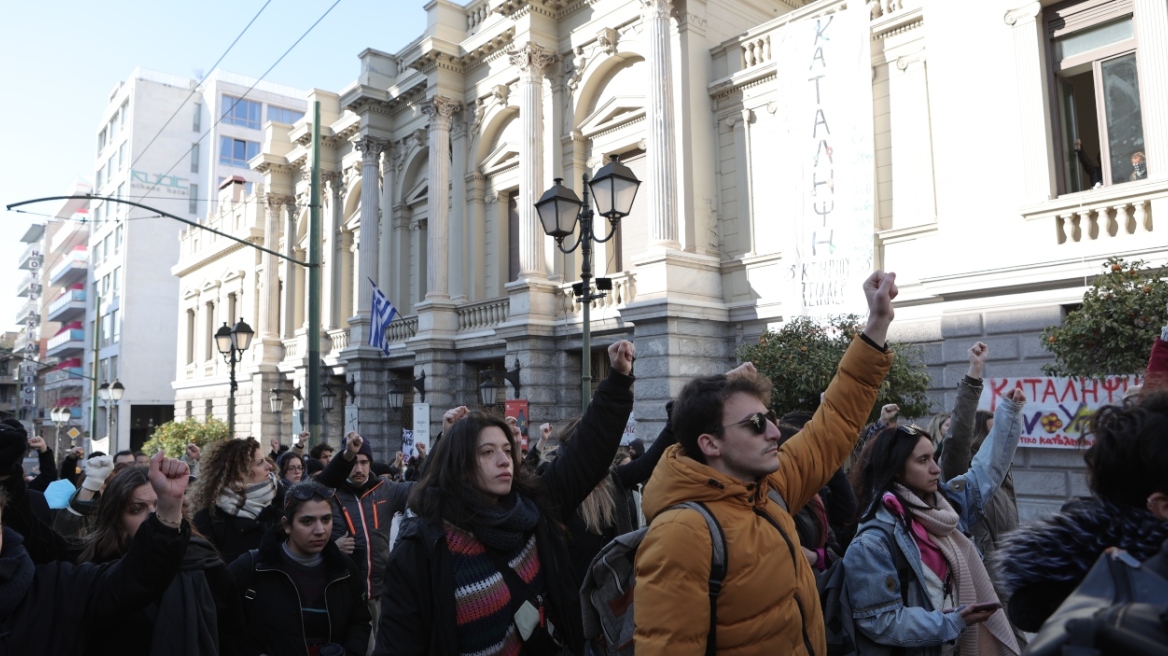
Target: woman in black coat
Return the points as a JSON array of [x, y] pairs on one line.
[[493, 529], [299, 592], [238, 497]]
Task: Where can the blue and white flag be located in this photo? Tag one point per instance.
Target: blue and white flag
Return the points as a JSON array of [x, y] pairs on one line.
[[383, 313]]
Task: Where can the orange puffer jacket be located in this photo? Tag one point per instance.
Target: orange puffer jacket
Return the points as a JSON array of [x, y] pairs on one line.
[[768, 603]]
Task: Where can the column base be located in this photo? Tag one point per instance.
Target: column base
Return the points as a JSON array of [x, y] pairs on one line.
[[678, 276]]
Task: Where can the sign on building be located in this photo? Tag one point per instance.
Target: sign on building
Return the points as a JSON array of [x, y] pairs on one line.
[[827, 170], [517, 408], [1058, 410], [421, 430]]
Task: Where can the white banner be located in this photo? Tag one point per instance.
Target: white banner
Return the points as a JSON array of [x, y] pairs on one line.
[[1057, 409], [421, 432], [828, 161]]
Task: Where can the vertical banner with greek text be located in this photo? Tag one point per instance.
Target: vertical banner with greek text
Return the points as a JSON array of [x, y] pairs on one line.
[[827, 155]]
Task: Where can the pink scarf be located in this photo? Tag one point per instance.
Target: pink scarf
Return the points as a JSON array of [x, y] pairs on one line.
[[930, 553]]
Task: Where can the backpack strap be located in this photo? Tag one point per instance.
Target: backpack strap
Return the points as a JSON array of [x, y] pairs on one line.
[[775, 497], [717, 568]]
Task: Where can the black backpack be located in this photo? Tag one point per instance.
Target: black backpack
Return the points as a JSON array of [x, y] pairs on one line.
[[843, 639]]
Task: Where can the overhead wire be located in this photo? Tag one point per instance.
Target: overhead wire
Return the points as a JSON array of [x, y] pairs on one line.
[[183, 157], [200, 84]]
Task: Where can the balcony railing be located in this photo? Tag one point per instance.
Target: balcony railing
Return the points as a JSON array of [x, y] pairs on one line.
[[68, 306], [71, 269], [623, 292], [28, 284], [66, 342], [31, 305], [1116, 212], [27, 256], [62, 378], [339, 339], [484, 314], [400, 331]]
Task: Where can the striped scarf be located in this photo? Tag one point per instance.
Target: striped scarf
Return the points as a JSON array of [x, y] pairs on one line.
[[482, 599]]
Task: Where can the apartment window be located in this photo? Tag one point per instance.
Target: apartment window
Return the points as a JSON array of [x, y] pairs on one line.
[[231, 303], [121, 192], [113, 126], [117, 239], [122, 114], [1092, 48], [237, 111], [121, 155], [236, 152], [117, 281], [100, 173], [281, 115], [115, 331], [105, 250], [190, 342], [197, 121], [190, 409], [194, 158], [97, 221], [105, 288], [209, 328], [101, 141], [193, 203], [109, 169], [106, 331]]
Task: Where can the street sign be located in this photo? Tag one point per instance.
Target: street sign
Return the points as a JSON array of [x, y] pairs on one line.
[[73, 433]]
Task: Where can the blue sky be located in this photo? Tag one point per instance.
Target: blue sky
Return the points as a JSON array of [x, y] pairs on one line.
[[60, 59]]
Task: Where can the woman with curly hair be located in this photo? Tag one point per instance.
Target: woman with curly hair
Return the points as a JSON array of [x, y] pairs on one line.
[[233, 502]]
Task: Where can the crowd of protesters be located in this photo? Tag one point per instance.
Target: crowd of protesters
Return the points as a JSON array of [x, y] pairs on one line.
[[480, 547]]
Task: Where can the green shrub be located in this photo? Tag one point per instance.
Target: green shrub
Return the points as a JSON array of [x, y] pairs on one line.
[[174, 436]]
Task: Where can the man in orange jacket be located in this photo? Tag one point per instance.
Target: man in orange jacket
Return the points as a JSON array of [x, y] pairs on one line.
[[728, 458]]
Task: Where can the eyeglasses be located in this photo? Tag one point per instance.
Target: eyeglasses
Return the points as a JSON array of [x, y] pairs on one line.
[[295, 469], [756, 422], [308, 493]]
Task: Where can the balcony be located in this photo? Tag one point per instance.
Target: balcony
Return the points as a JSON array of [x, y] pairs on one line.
[[71, 269], [64, 378], [623, 292], [30, 284], [68, 306], [1104, 220], [68, 342], [484, 314], [30, 306], [32, 253]]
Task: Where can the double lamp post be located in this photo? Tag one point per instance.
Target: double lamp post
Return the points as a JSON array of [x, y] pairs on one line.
[[231, 343], [614, 187]]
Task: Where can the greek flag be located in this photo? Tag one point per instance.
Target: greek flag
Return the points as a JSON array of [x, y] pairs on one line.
[[383, 313]]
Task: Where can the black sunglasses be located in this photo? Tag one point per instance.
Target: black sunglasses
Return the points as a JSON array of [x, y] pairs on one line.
[[308, 493], [756, 422]]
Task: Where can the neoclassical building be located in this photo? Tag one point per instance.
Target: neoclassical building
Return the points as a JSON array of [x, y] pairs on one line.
[[785, 149]]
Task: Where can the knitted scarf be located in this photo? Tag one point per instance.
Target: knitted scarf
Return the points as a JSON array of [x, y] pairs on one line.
[[504, 526], [252, 502], [994, 637]]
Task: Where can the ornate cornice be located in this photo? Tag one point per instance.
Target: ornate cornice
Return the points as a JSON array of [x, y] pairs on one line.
[[488, 51], [441, 106], [532, 59], [370, 147]]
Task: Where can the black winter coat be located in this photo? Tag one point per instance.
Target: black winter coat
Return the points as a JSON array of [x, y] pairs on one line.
[[271, 603], [1041, 563], [417, 608], [61, 604], [234, 536]]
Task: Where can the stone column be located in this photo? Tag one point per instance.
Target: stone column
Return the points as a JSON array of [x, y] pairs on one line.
[[477, 212], [269, 308], [387, 236], [459, 276], [370, 149], [1152, 29], [439, 109], [531, 60], [662, 165], [330, 301], [290, 271]]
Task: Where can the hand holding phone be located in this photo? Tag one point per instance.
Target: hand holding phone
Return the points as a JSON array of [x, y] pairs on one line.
[[986, 607]]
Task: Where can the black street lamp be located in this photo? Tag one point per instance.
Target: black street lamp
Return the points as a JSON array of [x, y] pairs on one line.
[[111, 393], [490, 385], [276, 401], [614, 187], [398, 388], [60, 416], [232, 342]]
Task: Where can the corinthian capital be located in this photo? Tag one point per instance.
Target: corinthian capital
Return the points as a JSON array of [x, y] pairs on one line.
[[370, 147], [276, 200], [442, 107], [656, 8], [532, 59]]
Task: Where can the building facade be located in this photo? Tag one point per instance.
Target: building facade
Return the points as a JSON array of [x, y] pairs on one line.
[[434, 157], [165, 142]]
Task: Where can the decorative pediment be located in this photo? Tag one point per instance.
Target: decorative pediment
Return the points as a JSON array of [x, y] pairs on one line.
[[504, 156], [209, 286], [231, 274], [418, 193], [614, 112], [190, 292]]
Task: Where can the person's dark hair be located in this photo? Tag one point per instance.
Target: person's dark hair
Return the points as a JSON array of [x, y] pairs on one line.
[[285, 461], [787, 431], [882, 459], [1128, 461], [446, 489], [124, 452], [96, 454], [313, 466], [108, 541], [698, 408], [302, 493], [796, 418], [981, 431], [138, 454], [317, 451]]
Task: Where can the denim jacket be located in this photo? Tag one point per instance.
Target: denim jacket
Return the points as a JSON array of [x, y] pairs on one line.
[[872, 581]]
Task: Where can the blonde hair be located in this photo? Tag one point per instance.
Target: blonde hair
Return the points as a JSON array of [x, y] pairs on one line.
[[598, 510]]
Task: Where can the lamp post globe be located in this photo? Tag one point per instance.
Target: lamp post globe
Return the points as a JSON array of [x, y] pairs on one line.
[[103, 392], [241, 335], [276, 402], [397, 398], [489, 390], [614, 187], [116, 390], [223, 339], [558, 210], [328, 400]]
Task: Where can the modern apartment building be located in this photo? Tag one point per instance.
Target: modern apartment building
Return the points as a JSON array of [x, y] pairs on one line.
[[165, 142]]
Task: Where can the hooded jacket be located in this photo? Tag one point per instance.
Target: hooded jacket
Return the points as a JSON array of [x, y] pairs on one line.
[[1040, 564], [768, 603], [271, 602], [366, 512]]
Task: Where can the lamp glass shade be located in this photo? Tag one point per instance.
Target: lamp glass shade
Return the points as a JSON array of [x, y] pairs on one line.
[[559, 209], [489, 391], [241, 335], [223, 339], [397, 398], [103, 392], [277, 402], [328, 400], [116, 390], [614, 188], [60, 415]]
